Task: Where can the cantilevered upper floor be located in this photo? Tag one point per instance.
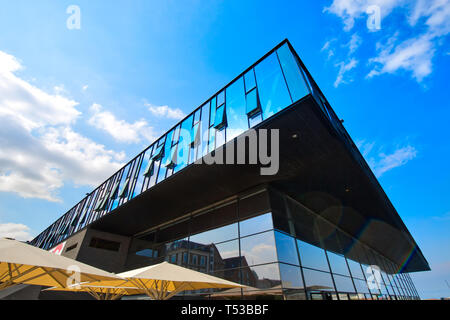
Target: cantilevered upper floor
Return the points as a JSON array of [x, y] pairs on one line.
[[320, 166]]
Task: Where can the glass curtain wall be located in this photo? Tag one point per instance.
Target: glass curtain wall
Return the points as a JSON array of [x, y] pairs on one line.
[[275, 262]]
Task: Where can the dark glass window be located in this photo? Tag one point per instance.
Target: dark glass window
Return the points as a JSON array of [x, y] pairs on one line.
[[286, 249], [355, 269], [104, 244]]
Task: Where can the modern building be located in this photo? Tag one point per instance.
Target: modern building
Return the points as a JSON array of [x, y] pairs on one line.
[[299, 209]]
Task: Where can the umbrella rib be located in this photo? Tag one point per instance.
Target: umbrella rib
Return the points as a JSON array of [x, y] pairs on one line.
[[24, 273], [53, 277]]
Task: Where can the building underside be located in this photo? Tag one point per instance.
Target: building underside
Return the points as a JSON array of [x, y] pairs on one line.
[[310, 231]]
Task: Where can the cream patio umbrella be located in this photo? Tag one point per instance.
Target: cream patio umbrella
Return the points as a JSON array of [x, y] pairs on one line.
[[101, 292], [164, 280], [23, 263]]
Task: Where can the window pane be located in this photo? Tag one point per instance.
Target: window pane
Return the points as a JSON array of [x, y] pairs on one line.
[[216, 235], [312, 256], [236, 116], [286, 249], [355, 269], [259, 248], [272, 88], [294, 78], [184, 144], [291, 277], [338, 264], [343, 284], [267, 276], [361, 286], [256, 224], [317, 280], [249, 80]]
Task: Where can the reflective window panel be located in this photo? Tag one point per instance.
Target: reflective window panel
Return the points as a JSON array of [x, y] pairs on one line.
[[338, 264], [318, 280], [259, 248], [286, 249], [256, 224], [312, 256]]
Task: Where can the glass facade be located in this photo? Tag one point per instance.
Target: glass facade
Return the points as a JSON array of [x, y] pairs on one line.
[[272, 84], [282, 252], [274, 263]]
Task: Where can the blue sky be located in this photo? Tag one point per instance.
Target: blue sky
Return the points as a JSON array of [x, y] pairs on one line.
[[75, 104]]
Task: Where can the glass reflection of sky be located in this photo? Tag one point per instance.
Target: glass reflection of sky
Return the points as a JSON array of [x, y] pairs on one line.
[[258, 249], [256, 224]]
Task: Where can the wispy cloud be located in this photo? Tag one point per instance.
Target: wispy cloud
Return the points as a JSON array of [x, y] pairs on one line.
[[430, 19], [165, 112], [381, 161], [414, 55], [121, 130], [344, 67]]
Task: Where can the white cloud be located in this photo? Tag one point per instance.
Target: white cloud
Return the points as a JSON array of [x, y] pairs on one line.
[[414, 55], [354, 43], [39, 149], [15, 231], [327, 48], [343, 69], [350, 10], [165, 112], [28, 104], [436, 14], [383, 162], [120, 129], [85, 87]]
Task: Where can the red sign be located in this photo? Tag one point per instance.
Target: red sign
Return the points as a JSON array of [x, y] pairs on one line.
[[58, 249]]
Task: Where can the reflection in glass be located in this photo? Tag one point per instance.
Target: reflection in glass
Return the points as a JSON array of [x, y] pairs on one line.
[[216, 235], [338, 264], [291, 277], [294, 78], [266, 276], [272, 88], [312, 256], [258, 249], [355, 269], [343, 284], [236, 118], [318, 280], [257, 224], [286, 249]]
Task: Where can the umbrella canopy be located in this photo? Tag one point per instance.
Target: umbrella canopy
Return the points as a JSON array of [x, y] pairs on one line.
[[23, 263], [101, 292], [162, 281]]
